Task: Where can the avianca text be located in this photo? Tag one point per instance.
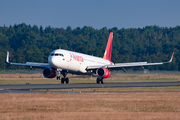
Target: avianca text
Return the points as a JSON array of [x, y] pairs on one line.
[[76, 57]]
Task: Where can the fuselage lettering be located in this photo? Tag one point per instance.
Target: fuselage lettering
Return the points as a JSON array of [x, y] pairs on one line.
[[76, 57]]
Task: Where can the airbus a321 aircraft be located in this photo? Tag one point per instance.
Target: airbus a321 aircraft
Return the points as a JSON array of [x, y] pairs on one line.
[[62, 62]]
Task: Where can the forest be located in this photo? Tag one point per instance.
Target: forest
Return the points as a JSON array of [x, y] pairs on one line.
[[28, 43]]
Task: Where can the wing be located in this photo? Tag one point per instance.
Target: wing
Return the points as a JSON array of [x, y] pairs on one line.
[[122, 66], [30, 64]]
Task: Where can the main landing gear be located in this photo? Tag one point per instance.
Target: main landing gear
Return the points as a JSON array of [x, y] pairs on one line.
[[63, 79], [100, 80]]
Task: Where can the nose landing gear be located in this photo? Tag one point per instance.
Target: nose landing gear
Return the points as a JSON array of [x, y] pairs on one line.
[[64, 78]]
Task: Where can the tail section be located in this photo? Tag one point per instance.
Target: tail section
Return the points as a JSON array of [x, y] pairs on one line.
[[107, 53]]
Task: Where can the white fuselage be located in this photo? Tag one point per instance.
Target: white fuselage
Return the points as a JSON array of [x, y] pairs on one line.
[[74, 61]]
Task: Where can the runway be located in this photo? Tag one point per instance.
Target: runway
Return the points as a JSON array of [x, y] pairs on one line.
[[27, 88]]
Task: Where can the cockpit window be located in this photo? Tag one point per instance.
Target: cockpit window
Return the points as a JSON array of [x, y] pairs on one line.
[[61, 55], [57, 54]]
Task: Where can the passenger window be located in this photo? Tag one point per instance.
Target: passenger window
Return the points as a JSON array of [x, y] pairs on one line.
[[52, 54], [56, 54]]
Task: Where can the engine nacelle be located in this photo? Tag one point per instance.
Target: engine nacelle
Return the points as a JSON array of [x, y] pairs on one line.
[[49, 73], [103, 73]]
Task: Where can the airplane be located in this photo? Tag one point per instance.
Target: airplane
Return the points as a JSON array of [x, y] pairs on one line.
[[61, 62]]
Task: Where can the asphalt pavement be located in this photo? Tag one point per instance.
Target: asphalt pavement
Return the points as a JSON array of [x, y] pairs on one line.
[[29, 88]]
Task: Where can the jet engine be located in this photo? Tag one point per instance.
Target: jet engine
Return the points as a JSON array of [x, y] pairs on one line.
[[103, 73], [49, 73]]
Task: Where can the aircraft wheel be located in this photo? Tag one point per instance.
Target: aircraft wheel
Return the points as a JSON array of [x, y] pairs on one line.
[[98, 80], [58, 77], [62, 80], [67, 80], [102, 81]]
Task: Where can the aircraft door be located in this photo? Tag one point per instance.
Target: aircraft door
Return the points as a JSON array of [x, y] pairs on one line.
[[67, 57], [67, 60]]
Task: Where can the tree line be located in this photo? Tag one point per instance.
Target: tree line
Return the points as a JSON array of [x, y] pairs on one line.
[[34, 44]]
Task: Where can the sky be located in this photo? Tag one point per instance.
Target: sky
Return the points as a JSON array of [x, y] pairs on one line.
[[93, 13]]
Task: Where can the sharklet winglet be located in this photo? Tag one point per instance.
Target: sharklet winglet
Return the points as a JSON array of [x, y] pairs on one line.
[[171, 58], [7, 58]]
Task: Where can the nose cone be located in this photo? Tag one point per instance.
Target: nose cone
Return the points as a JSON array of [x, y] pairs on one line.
[[53, 61]]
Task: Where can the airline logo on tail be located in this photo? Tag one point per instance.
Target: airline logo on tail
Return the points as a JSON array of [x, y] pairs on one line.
[[107, 53]]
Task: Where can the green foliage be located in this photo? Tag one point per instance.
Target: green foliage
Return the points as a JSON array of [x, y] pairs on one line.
[[33, 44]]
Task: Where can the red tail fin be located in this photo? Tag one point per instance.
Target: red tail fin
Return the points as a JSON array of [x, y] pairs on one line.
[[107, 53]]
